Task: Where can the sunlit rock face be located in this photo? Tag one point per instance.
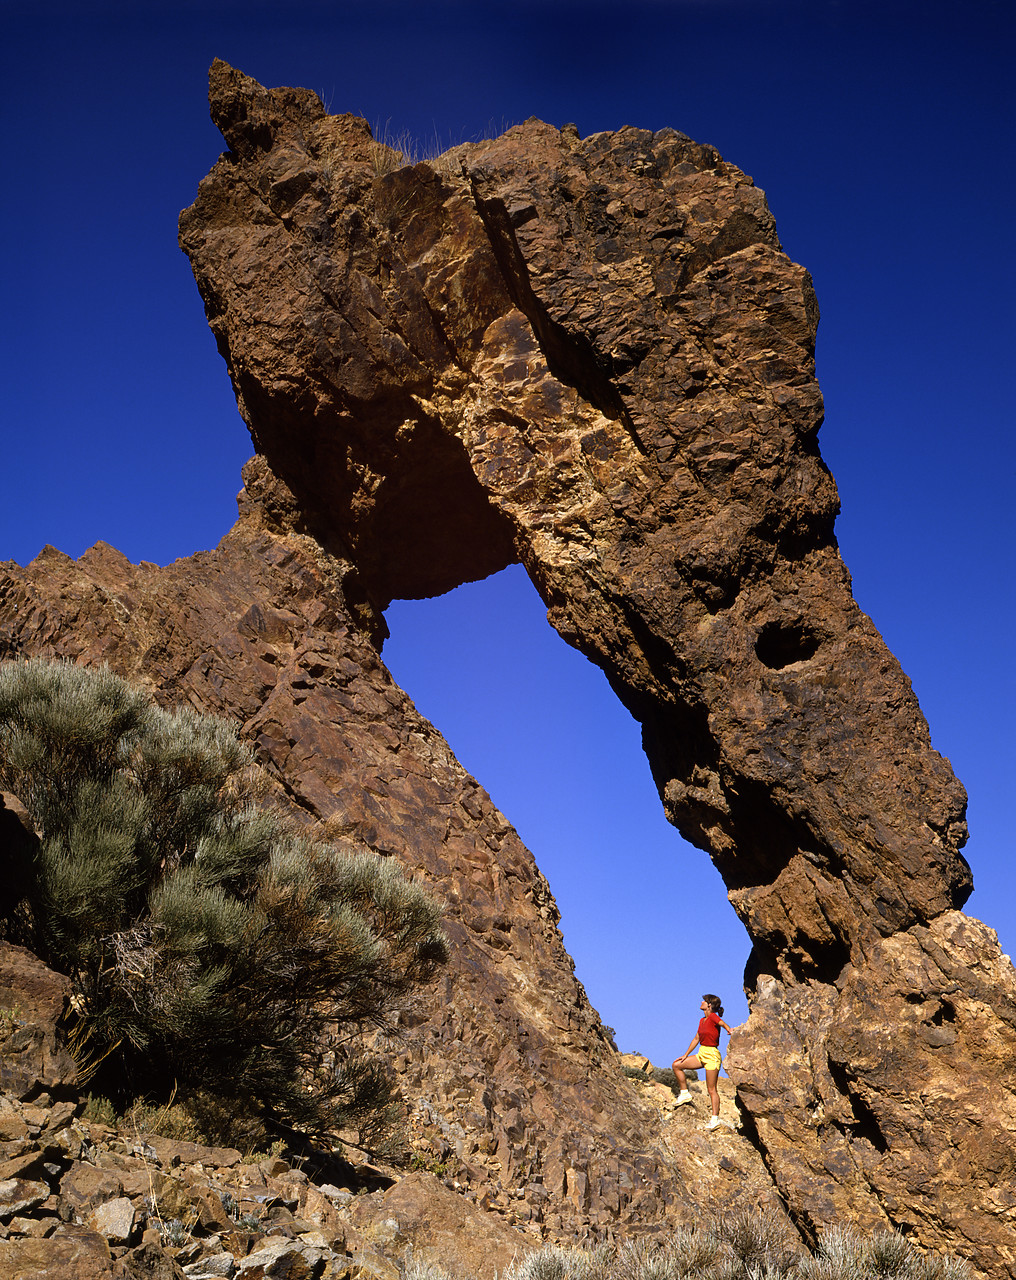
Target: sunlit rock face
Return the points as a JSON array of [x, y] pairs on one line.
[[513, 1086], [591, 356]]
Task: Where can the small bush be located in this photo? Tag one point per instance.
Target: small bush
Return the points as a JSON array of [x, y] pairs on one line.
[[169, 1120], [556, 1263], [682, 1253], [10, 1020], [212, 951], [760, 1241], [99, 1111], [743, 1245], [424, 1271], [173, 1232], [635, 1073], [846, 1254]]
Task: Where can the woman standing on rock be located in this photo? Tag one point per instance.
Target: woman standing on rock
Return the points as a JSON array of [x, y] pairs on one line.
[[708, 1057]]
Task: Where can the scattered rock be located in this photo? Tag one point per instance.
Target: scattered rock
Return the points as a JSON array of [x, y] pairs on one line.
[[148, 1262], [217, 1264], [33, 1056], [85, 1186], [17, 1195], [170, 1152], [590, 355], [80, 1257], [286, 1259], [114, 1220], [420, 1218]]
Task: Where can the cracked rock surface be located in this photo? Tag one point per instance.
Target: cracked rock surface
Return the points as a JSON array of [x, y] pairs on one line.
[[593, 357], [514, 1089]]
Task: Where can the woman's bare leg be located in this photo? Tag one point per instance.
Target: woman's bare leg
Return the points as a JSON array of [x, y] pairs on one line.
[[711, 1089], [689, 1063]]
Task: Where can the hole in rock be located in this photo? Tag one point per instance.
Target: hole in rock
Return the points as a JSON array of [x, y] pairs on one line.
[[865, 1123], [644, 915], [781, 643]]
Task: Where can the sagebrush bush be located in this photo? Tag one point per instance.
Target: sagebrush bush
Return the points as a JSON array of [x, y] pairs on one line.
[[846, 1254], [682, 1253], [556, 1263], [212, 950], [743, 1245]]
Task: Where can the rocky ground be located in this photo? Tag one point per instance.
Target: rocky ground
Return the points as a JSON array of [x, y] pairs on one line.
[[82, 1199], [593, 357]]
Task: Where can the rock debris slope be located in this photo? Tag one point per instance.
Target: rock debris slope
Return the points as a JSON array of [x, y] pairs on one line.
[[514, 1088], [591, 356]]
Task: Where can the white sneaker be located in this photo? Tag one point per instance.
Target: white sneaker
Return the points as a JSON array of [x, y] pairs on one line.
[[715, 1123], [683, 1097]]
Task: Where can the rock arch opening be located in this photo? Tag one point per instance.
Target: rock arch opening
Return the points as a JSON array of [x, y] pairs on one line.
[[644, 915]]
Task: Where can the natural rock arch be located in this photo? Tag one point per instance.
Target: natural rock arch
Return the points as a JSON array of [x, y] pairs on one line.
[[602, 340], [593, 356]]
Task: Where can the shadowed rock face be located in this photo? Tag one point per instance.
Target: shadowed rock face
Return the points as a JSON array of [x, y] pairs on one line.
[[513, 1085], [593, 357]]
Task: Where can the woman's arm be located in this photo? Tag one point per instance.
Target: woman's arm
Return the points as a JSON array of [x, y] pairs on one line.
[[724, 1026]]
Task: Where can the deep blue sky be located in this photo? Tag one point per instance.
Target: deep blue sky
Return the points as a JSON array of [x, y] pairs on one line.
[[882, 134]]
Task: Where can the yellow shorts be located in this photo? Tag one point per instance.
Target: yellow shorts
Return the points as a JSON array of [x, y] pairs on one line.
[[710, 1058]]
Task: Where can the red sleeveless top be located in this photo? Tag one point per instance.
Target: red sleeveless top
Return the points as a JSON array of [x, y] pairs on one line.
[[709, 1031]]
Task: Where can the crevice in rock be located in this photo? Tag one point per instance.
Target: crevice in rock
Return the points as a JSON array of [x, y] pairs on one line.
[[571, 359], [797, 1214], [822, 962], [865, 1124], [761, 962]]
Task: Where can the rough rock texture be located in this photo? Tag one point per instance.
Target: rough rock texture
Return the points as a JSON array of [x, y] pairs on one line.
[[431, 1224], [593, 356], [33, 999], [515, 1089], [83, 1256], [130, 1205]]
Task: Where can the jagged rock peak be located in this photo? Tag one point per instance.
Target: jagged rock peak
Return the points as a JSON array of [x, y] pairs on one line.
[[592, 355]]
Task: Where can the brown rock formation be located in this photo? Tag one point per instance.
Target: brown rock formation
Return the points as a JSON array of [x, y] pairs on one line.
[[592, 356], [516, 1089], [418, 1211], [33, 1000]]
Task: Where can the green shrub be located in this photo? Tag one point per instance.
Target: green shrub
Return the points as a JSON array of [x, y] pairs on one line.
[[743, 1245], [99, 1110], [846, 1254], [212, 950]]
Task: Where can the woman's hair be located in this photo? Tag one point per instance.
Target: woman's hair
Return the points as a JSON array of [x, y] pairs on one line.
[[714, 1003]]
